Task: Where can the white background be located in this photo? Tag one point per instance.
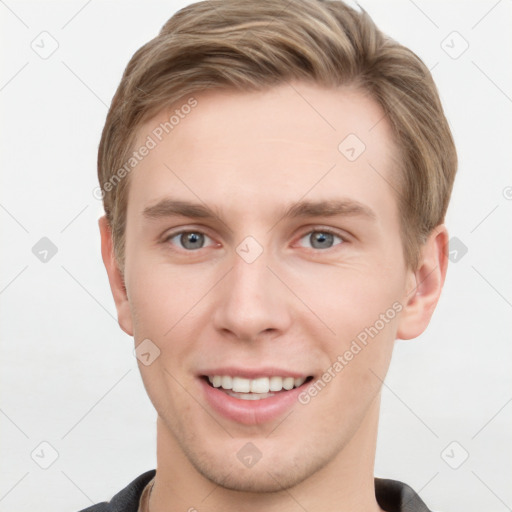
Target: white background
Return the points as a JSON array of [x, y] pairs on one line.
[[68, 374]]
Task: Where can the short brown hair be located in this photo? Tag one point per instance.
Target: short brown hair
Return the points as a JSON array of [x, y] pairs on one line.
[[248, 45]]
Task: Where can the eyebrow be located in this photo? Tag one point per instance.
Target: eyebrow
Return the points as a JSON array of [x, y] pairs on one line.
[[169, 207]]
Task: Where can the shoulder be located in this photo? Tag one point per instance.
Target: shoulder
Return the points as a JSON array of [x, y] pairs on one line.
[[127, 499], [396, 496]]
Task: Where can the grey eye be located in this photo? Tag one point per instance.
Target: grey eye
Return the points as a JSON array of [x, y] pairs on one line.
[[321, 239], [190, 240]]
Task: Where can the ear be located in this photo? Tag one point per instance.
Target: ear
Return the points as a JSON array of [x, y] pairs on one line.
[[115, 277], [424, 285]]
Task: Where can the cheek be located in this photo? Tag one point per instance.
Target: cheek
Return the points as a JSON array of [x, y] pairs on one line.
[[161, 295], [362, 307], [352, 297], [162, 300]]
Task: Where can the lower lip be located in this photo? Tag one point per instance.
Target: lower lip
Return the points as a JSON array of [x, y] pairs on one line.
[[250, 412]]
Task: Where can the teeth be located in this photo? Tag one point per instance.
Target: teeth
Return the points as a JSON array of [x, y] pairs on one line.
[[261, 385], [288, 383], [249, 396], [227, 382], [241, 385], [298, 382], [276, 383]]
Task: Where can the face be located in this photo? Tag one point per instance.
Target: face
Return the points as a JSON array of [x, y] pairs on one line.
[[263, 250]]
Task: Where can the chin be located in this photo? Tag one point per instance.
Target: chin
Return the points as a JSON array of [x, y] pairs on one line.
[[253, 480], [276, 473]]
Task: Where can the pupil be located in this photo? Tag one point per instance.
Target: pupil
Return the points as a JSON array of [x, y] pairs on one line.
[[192, 240], [321, 238]]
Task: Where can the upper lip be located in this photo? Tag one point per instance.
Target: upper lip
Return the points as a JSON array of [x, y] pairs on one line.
[[253, 373]]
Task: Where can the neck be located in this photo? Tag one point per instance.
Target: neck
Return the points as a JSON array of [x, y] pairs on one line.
[[345, 484]]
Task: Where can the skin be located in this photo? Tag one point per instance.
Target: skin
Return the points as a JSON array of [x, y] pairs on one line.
[[297, 306]]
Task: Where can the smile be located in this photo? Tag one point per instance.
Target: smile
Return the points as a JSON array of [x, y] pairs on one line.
[[252, 400], [254, 389]]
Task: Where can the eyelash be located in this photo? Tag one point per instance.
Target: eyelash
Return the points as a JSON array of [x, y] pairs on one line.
[[316, 230]]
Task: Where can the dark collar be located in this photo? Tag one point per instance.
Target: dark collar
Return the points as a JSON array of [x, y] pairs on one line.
[[392, 496]]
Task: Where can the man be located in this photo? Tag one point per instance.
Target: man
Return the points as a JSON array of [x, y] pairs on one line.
[[275, 179]]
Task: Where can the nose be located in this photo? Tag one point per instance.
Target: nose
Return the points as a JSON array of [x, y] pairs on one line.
[[251, 301]]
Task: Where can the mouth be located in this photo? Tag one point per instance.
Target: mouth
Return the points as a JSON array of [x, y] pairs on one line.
[[252, 401], [254, 389]]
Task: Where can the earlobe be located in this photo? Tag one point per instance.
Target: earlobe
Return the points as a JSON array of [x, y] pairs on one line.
[[117, 284], [421, 297]]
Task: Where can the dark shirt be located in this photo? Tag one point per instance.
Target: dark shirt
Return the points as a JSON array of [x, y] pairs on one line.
[[392, 496]]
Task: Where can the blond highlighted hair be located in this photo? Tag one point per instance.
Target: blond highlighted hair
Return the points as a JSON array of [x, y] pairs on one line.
[[251, 45]]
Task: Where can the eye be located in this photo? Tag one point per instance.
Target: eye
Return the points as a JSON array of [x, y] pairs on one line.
[[321, 239], [193, 240], [189, 240]]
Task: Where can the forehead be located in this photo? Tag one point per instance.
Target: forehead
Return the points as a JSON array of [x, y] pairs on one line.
[[249, 149]]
